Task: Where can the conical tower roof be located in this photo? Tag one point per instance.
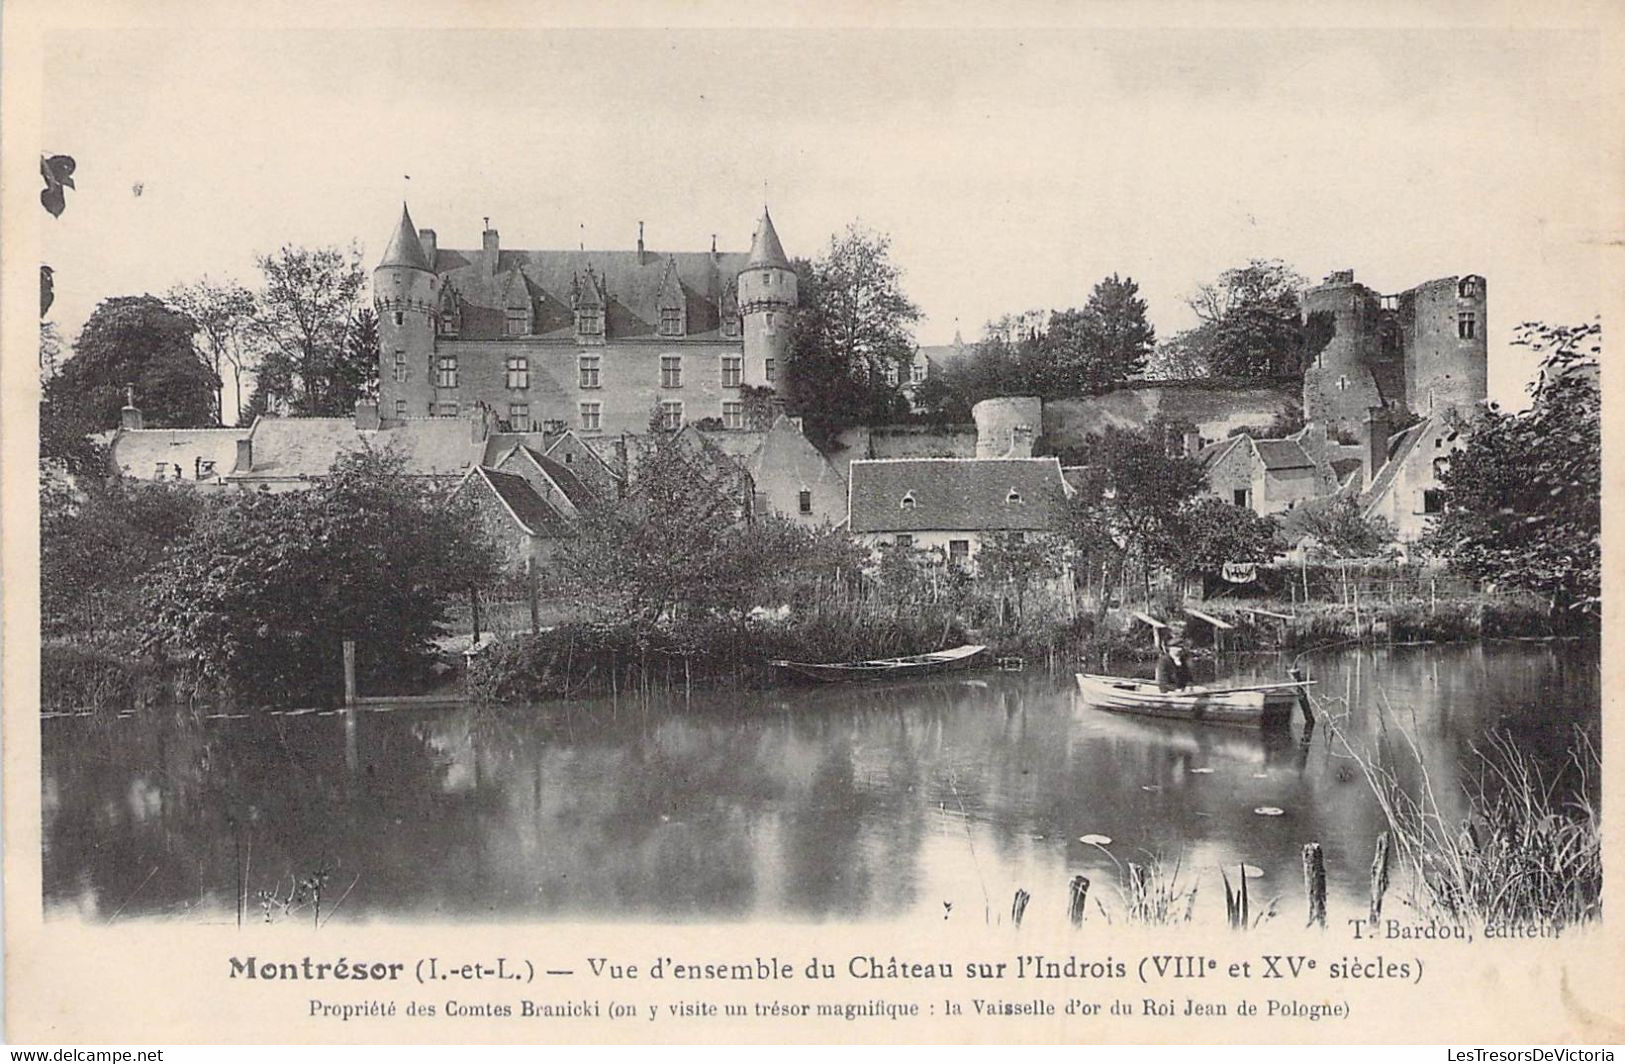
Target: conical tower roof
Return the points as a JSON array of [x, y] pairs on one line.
[[765, 249], [404, 247]]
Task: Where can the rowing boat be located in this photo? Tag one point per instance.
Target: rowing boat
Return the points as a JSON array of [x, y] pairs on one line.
[[876, 668], [1255, 705]]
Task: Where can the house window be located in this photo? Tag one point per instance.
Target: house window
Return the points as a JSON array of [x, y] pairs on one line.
[[671, 371], [804, 501], [205, 468], [518, 323], [908, 501], [588, 365], [1433, 501], [446, 372], [400, 408], [959, 551], [1241, 497], [904, 541], [770, 370], [518, 372], [733, 415], [671, 416], [445, 410], [519, 417], [889, 371], [400, 364], [1469, 287], [671, 321], [1466, 325], [589, 321], [916, 373], [733, 368], [161, 471], [591, 416]]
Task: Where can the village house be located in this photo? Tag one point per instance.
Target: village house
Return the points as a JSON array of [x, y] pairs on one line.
[[1405, 489], [527, 530], [194, 456], [1262, 475]]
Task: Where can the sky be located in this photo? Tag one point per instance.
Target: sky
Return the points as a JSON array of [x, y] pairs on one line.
[[1011, 169]]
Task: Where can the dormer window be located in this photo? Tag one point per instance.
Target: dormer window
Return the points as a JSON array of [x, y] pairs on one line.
[[671, 321], [518, 322], [908, 501], [448, 323], [1469, 287], [1013, 497], [730, 326], [590, 321]]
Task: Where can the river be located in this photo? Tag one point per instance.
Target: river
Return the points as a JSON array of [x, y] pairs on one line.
[[920, 800]]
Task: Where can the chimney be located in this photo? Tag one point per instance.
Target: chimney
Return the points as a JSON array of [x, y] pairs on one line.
[[1193, 444], [130, 416], [713, 247], [640, 243], [1376, 442], [430, 244], [245, 454], [491, 245], [366, 415]]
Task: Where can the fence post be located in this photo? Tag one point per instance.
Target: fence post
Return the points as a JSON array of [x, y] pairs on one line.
[[349, 672], [1314, 883]]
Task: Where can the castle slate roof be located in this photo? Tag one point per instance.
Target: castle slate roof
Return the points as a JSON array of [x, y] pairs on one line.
[[533, 513], [765, 249], [632, 282], [956, 494], [405, 249]]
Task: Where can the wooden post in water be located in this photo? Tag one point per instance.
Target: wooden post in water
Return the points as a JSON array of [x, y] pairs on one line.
[[1379, 875], [1304, 705], [349, 672], [1018, 906], [1314, 883], [1077, 896]]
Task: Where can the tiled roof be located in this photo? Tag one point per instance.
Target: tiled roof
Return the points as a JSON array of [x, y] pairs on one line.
[[307, 446], [1283, 454], [532, 511], [580, 496], [1399, 446], [1211, 454], [956, 494], [631, 280], [138, 451], [405, 249]]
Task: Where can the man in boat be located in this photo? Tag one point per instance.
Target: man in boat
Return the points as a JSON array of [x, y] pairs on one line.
[[1173, 666]]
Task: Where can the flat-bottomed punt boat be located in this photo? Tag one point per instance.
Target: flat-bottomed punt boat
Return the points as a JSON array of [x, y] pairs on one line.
[[1253, 705], [879, 668]]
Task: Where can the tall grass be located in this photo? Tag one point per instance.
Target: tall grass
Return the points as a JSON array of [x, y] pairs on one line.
[[1523, 854]]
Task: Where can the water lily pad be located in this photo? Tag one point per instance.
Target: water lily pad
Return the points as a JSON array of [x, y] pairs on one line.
[[1261, 775], [1095, 840], [1269, 810], [1151, 787], [1251, 871], [1201, 772]]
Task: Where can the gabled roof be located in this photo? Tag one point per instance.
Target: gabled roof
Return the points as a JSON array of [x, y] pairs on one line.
[[532, 513], [140, 450], [1280, 455], [765, 249], [405, 249], [306, 447], [670, 292], [586, 446], [580, 496], [1399, 448], [956, 494], [1214, 452]]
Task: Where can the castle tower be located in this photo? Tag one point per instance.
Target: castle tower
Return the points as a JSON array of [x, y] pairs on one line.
[[404, 292], [1339, 382], [767, 297], [1446, 351]]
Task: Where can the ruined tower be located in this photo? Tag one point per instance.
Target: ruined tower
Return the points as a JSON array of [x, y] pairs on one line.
[[1446, 353]]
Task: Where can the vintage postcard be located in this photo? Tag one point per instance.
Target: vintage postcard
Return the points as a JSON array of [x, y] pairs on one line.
[[816, 524]]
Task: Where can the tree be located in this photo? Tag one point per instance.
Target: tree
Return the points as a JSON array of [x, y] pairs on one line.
[[1215, 532], [1089, 351], [256, 599], [1250, 321], [355, 375], [1523, 498], [851, 337], [224, 313], [140, 341], [306, 311], [1340, 530], [1136, 496], [1018, 562]]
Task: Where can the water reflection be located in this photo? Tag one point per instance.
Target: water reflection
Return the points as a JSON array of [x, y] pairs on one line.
[[844, 803]]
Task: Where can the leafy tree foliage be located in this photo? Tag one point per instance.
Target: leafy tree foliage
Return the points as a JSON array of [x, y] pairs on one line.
[[1339, 529], [257, 597], [1089, 351], [1018, 562], [224, 312], [306, 314], [1136, 498], [139, 340], [1250, 322], [1215, 532], [1523, 499], [852, 334]]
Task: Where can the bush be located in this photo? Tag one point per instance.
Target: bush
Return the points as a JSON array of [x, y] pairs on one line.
[[84, 679]]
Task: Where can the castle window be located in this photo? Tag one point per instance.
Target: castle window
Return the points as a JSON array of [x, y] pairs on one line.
[[1469, 287], [770, 323], [733, 415], [671, 371], [519, 417], [671, 321], [770, 370], [518, 372], [400, 318], [518, 323], [908, 501], [446, 372], [1466, 325], [730, 326], [733, 368], [1342, 384], [445, 410], [400, 408], [804, 501], [400, 364], [554, 427], [589, 321], [588, 366], [591, 416], [1241, 497], [671, 415], [448, 324]]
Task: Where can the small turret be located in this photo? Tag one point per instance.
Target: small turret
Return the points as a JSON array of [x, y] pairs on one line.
[[767, 295], [405, 249], [406, 294]]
